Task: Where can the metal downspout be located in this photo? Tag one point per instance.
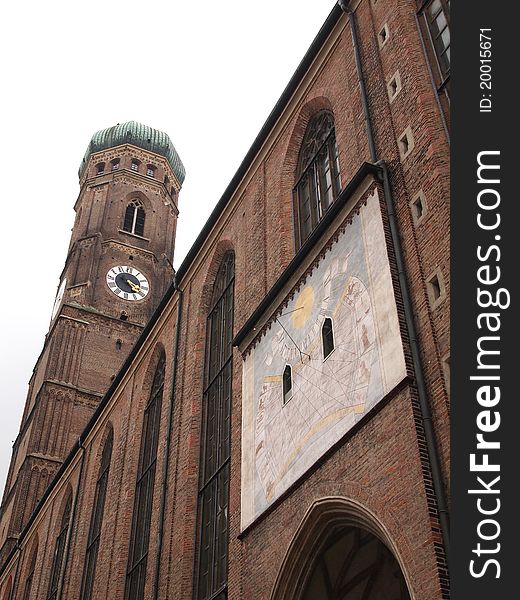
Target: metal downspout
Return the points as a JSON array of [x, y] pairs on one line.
[[429, 433]]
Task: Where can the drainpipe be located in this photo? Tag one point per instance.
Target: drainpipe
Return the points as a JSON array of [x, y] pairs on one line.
[[426, 417], [344, 5], [166, 465], [72, 519]]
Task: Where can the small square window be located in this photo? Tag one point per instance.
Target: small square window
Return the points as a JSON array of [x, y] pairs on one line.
[[394, 86], [418, 207], [436, 289], [405, 143], [384, 35]]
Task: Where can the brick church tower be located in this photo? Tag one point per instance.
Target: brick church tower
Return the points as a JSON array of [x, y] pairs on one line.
[[118, 267]]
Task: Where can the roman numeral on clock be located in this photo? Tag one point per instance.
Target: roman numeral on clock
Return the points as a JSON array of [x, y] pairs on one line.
[[138, 286]]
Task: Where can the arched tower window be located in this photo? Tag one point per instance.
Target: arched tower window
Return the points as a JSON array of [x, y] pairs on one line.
[[30, 571], [327, 337], [97, 520], [211, 573], [135, 164], [100, 168], [140, 537], [134, 218], [59, 549], [318, 182]]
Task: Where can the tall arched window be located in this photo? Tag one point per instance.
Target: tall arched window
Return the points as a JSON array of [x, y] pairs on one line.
[[59, 549], [318, 182], [139, 541], [30, 571], [211, 579], [134, 218], [8, 589], [437, 14], [96, 520]]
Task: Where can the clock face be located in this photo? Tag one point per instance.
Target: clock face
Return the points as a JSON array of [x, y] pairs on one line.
[[128, 283], [59, 297]]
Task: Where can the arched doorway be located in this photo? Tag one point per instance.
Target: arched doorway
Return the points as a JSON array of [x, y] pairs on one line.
[[341, 551], [353, 564]]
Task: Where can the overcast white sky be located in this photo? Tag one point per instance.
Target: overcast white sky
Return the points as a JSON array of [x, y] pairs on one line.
[[206, 73]]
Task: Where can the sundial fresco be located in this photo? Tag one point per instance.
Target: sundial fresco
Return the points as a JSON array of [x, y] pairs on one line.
[[284, 434]]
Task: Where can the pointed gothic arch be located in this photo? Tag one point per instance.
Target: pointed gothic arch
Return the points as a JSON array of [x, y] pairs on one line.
[[96, 519], [134, 217], [30, 569], [144, 487], [222, 249], [214, 474], [63, 527], [341, 551], [318, 182], [6, 595]]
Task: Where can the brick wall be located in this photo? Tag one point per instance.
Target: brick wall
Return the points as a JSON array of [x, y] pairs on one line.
[[382, 464]]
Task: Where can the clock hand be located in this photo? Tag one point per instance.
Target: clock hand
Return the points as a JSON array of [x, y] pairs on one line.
[[135, 288]]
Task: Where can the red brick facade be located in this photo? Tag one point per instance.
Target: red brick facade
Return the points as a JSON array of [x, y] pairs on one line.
[[91, 334], [379, 474]]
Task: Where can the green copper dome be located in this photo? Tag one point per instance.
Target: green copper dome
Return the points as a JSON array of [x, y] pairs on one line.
[[138, 135]]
